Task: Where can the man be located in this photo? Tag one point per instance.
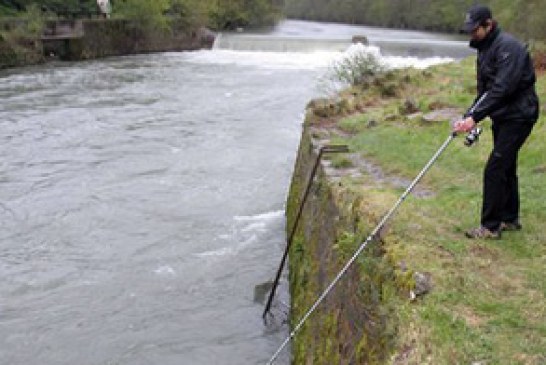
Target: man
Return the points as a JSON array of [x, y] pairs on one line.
[[506, 77]]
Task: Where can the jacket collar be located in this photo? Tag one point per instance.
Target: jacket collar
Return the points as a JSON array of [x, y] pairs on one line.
[[486, 42]]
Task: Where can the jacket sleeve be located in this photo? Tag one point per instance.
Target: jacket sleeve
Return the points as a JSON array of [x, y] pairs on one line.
[[509, 63]]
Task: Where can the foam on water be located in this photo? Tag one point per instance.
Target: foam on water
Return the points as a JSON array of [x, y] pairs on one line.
[[392, 61], [229, 250], [302, 60], [261, 217], [268, 60], [165, 271], [246, 231]]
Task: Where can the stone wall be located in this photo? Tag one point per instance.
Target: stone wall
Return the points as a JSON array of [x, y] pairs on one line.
[[19, 51], [119, 37], [96, 38], [357, 322]]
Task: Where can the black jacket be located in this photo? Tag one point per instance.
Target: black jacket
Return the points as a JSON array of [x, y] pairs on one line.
[[506, 73]]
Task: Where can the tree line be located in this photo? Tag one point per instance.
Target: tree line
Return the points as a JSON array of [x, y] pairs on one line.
[[216, 14], [527, 18], [22, 22]]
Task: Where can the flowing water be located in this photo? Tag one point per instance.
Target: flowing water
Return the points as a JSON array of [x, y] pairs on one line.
[[142, 197]]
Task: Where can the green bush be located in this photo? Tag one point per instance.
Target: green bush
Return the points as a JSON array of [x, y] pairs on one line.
[[359, 67], [148, 14], [20, 43]]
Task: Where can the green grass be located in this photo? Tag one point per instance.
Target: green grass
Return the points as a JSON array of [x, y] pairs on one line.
[[489, 299]]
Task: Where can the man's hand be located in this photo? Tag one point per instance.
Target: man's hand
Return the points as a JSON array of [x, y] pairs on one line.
[[464, 125]]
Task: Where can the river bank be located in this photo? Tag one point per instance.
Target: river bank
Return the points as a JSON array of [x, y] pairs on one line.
[[76, 40], [421, 293]]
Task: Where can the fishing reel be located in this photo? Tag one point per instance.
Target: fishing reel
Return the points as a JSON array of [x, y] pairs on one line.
[[472, 137]]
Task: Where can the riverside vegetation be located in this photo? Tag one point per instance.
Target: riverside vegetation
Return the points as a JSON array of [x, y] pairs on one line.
[[488, 299], [22, 21], [216, 14], [527, 18]]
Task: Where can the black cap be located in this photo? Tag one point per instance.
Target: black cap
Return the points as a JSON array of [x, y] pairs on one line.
[[475, 16]]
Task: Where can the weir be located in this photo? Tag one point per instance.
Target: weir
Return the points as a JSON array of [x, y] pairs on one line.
[[422, 48], [401, 47], [264, 43]]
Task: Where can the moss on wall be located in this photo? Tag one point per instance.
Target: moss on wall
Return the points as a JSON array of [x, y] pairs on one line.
[[357, 322], [101, 38], [120, 37], [17, 50]]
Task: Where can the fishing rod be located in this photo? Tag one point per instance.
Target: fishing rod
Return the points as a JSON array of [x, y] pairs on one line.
[[468, 142]]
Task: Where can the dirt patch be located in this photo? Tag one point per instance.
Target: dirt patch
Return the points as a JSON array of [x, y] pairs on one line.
[[404, 355], [509, 283], [381, 177], [336, 172], [443, 115], [539, 169], [444, 252], [471, 318], [529, 359], [359, 165], [539, 59], [483, 251]]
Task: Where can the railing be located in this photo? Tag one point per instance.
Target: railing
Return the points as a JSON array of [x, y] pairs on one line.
[[322, 151]]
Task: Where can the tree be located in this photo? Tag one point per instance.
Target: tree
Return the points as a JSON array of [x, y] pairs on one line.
[[148, 14], [523, 17]]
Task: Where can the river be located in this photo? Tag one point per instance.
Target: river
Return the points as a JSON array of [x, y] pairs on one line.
[[142, 198]]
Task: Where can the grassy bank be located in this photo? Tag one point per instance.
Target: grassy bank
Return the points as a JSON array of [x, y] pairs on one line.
[[488, 302]]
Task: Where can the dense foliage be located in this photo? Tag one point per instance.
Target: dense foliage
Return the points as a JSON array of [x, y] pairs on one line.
[[525, 17], [217, 14], [60, 7]]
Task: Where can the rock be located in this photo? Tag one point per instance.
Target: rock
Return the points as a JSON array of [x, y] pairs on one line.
[[423, 284], [414, 116], [261, 291], [443, 115], [206, 37], [360, 39]]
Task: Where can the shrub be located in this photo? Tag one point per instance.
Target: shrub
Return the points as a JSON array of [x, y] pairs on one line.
[[359, 66], [149, 15]]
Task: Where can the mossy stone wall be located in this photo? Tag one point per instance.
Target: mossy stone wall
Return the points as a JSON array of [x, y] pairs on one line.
[[357, 322], [103, 38], [19, 52], [119, 37]]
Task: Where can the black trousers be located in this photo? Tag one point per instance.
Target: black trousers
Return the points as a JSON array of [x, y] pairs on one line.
[[500, 181]]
